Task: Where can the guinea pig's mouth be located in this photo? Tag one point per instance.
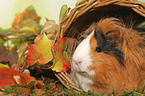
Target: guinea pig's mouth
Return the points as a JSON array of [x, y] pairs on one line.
[[83, 73], [78, 67]]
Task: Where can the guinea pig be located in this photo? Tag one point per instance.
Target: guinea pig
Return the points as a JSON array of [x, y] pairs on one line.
[[110, 60]]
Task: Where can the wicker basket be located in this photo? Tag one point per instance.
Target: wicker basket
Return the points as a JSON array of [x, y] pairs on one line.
[[92, 11]]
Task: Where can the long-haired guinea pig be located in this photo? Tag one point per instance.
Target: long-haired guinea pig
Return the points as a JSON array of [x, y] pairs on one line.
[[110, 60]]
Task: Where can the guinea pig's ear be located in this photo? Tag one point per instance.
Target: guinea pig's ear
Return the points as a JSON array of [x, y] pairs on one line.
[[107, 46], [112, 28], [100, 38]]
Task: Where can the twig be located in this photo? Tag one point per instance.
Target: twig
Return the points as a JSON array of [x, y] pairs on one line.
[[62, 81], [67, 78]]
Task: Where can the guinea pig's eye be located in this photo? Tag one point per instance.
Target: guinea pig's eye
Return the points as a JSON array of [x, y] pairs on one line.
[[98, 49]]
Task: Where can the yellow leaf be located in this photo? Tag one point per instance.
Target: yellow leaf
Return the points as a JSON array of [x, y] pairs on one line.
[[40, 51]]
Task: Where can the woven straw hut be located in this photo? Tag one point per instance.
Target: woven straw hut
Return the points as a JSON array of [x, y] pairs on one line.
[[91, 11]]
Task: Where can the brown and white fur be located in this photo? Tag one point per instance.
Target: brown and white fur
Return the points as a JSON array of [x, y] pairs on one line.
[[110, 60]]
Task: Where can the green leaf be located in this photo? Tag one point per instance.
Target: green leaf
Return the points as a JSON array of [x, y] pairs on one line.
[[23, 48], [63, 12]]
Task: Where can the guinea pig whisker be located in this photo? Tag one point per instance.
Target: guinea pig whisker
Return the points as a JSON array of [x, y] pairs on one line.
[[84, 73]]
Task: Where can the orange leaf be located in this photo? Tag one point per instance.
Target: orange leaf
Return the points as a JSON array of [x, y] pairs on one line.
[[25, 79], [62, 62], [40, 51], [28, 18], [12, 77]]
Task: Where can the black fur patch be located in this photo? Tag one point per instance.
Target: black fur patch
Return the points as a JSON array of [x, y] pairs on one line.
[[107, 46]]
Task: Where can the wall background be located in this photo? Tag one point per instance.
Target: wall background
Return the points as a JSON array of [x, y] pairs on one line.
[[44, 8]]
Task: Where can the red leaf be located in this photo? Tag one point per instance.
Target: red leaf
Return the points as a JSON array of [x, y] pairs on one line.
[[6, 76], [40, 85], [62, 62]]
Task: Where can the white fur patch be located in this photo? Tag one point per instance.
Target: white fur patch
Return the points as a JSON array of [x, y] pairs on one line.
[[79, 72]]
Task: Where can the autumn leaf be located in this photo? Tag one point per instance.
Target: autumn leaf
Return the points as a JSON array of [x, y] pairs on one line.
[[12, 77], [21, 62], [40, 51], [6, 76], [37, 38], [28, 18], [26, 26], [23, 79], [22, 50], [62, 62], [16, 22], [51, 28], [8, 56]]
